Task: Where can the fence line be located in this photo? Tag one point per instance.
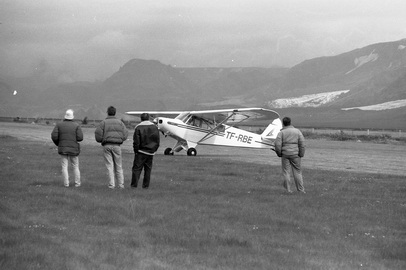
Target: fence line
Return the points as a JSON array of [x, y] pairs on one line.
[[40, 120], [368, 132]]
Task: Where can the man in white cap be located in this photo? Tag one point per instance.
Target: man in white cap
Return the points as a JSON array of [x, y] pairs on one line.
[[67, 135]]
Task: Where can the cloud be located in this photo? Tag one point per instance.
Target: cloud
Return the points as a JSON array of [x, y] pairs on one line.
[[110, 39], [93, 38]]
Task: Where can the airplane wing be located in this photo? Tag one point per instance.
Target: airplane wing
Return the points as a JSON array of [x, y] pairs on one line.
[[228, 116], [155, 113], [237, 115]]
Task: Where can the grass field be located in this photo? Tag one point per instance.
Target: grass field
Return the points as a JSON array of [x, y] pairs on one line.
[[205, 212]]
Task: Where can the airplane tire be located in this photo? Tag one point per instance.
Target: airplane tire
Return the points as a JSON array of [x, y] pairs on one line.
[[168, 151], [191, 152]]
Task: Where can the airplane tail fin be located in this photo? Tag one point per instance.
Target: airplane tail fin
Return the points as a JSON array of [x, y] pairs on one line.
[[272, 130]]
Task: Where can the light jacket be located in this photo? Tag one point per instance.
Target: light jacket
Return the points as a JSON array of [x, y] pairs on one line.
[[66, 135], [146, 138], [111, 131], [290, 142]]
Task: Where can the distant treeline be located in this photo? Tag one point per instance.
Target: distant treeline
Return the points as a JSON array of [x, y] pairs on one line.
[[385, 137], [373, 135], [43, 120], [52, 121]]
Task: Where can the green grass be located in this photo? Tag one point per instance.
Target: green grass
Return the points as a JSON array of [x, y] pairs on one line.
[[200, 212]]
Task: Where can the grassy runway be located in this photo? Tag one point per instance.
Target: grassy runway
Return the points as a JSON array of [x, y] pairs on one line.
[[203, 212], [321, 154]]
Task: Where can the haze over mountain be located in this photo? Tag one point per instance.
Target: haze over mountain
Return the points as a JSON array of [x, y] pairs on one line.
[[352, 89]]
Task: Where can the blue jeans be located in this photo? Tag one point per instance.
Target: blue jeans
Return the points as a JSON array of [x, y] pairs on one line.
[[113, 161], [74, 161], [292, 164]]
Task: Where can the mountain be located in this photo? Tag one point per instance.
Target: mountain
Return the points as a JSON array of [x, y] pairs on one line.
[[343, 90], [366, 72], [357, 89], [148, 83]]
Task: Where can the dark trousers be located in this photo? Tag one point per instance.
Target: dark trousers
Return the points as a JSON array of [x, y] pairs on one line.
[[141, 161]]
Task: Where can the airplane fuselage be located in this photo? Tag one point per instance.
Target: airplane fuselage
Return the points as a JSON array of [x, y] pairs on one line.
[[222, 135]]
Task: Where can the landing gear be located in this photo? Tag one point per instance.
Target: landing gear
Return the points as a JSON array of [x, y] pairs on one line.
[[191, 152], [168, 151]]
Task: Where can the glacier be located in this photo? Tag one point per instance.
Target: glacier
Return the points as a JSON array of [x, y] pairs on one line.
[[380, 107], [313, 100]]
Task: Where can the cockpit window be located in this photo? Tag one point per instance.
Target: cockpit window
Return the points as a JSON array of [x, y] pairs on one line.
[[203, 123]]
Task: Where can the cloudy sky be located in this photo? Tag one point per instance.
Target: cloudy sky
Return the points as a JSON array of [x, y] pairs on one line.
[[92, 39]]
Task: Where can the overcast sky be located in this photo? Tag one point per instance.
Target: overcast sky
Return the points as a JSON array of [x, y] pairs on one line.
[[92, 39]]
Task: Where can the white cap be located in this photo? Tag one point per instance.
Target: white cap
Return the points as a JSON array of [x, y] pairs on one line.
[[69, 114]]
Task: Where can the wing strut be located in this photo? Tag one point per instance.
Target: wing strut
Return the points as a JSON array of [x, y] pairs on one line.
[[211, 132]]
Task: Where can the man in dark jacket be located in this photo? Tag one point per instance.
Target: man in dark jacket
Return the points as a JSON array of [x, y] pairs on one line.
[[290, 146], [111, 133], [146, 143], [66, 136]]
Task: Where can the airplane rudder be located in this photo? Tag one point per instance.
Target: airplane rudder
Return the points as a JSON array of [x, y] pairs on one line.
[[272, 130]]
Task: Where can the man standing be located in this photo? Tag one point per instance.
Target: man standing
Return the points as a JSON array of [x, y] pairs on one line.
[[67, 135], [290, 146], [146, 143], [111, 133]]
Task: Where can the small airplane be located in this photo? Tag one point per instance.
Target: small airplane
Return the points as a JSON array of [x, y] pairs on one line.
[[215, 127]]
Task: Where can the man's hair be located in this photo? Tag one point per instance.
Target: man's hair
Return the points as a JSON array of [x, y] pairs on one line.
[[286, 121], [111, 111], [144, 117]]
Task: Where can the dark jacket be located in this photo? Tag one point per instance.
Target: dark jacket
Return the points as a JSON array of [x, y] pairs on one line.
[[66, 135], [111, 131], [290, 142], [146, 138]]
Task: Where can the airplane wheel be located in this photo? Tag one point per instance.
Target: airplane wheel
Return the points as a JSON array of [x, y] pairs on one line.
[[168, 151], [191, 152]]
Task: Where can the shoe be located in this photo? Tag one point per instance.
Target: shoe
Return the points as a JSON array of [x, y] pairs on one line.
[[112, 187], [77, 185]]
